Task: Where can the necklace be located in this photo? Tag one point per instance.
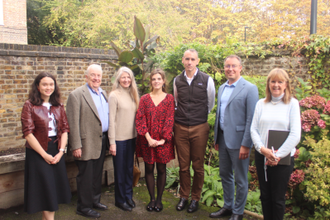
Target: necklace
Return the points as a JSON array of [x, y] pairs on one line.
[[276, 100], [274, 103]]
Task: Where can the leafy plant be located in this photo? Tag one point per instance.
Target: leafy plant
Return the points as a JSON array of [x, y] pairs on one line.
[[304, 158], [172, 177], [212, 190], [303, 90], [253, 202], [315, 116], [317, 181], [260, 82], [137, 58]]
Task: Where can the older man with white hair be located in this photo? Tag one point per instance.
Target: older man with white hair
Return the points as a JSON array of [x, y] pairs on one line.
[[88, 117]]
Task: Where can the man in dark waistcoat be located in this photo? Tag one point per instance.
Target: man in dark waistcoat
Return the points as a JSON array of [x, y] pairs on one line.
[[194, 95]]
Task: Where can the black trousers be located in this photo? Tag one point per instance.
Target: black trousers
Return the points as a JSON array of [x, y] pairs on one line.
[[89, 179], [272, 192]]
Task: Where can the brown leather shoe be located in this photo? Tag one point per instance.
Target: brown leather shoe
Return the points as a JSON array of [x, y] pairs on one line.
[[182, 204], [221, 213]]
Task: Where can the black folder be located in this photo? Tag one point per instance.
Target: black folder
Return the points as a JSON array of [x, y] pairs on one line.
[[276, 138]]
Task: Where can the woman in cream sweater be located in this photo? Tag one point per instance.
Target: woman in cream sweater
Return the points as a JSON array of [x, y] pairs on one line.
[[123, 102]]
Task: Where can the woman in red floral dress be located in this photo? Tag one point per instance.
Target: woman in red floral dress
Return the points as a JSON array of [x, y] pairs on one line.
[[154, 124]]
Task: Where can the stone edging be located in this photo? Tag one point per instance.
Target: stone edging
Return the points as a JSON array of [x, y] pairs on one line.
[[55, 52]]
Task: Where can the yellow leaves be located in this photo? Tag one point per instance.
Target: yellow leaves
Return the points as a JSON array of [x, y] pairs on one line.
[[318, 174], [95, 23]]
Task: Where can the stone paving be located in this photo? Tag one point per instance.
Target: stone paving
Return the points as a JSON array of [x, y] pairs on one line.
[[141, 197]]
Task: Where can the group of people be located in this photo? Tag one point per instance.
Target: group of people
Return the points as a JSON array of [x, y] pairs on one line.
[[123, 123]]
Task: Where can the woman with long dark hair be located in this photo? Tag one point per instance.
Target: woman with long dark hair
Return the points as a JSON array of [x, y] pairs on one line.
[[154, 124], [45, 128]]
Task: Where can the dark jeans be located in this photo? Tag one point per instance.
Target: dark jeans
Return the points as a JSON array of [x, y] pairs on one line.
[[123, 166], [272, 192]]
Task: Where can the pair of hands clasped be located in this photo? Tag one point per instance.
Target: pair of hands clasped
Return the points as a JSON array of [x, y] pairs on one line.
[[155, 143], [53, 160], [271, 159], [152, 142]]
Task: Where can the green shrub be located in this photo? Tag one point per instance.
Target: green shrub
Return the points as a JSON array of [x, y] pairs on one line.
[[172, 177], [260, 82], [212, 189], [317, 177], [253, 202]]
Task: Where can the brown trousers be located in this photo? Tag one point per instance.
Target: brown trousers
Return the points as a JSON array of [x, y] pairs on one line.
[[190, 144]]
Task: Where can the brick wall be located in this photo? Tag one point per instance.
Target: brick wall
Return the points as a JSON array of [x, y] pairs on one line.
[[20, 64], [14, 28], [295, 66]]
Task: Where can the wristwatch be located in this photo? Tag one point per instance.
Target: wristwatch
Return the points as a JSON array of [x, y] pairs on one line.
[[63, 150]]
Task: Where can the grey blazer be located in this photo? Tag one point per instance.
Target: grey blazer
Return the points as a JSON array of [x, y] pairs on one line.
[[238, 115], [85, 124]]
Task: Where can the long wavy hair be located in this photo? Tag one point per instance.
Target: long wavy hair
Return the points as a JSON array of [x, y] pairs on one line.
[[279, 74], [162, 74], [133, 90], [35, 96]]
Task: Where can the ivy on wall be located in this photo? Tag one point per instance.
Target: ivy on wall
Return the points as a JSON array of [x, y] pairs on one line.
[[316, 49]]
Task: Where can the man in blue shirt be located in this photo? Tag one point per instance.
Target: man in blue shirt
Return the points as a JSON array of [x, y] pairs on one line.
[[88, 117], [236, 102]]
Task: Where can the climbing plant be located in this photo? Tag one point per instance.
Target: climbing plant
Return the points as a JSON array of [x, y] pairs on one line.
[[316, 48]]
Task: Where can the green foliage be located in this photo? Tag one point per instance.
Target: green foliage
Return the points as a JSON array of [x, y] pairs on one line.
[[136, 59], [303, 90], [260, 82], [303, 158], [253, 202], [316, 48], [324, 92], [305, 198], [172, 177], [211, 156], [38, 32], [212, 189], [317, 180], [90, 23], [318, 51]]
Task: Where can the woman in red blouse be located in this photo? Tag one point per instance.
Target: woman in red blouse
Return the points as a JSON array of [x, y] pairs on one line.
[[154, 124]]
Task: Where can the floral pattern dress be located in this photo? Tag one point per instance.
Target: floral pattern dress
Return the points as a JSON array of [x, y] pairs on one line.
[[158, 121]]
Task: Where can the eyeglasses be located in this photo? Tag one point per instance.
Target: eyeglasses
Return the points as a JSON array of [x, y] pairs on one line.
[[232, 66], [98, 76]]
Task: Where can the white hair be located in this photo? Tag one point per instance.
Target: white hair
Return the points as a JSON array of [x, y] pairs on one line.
[[96, 66]]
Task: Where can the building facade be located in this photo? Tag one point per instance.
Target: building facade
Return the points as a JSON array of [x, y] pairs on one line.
[[13, 26]]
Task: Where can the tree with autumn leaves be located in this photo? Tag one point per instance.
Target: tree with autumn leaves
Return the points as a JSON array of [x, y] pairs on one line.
[[94, 23]]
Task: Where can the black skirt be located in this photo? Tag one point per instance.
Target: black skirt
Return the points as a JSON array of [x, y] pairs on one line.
[[45, 185]]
